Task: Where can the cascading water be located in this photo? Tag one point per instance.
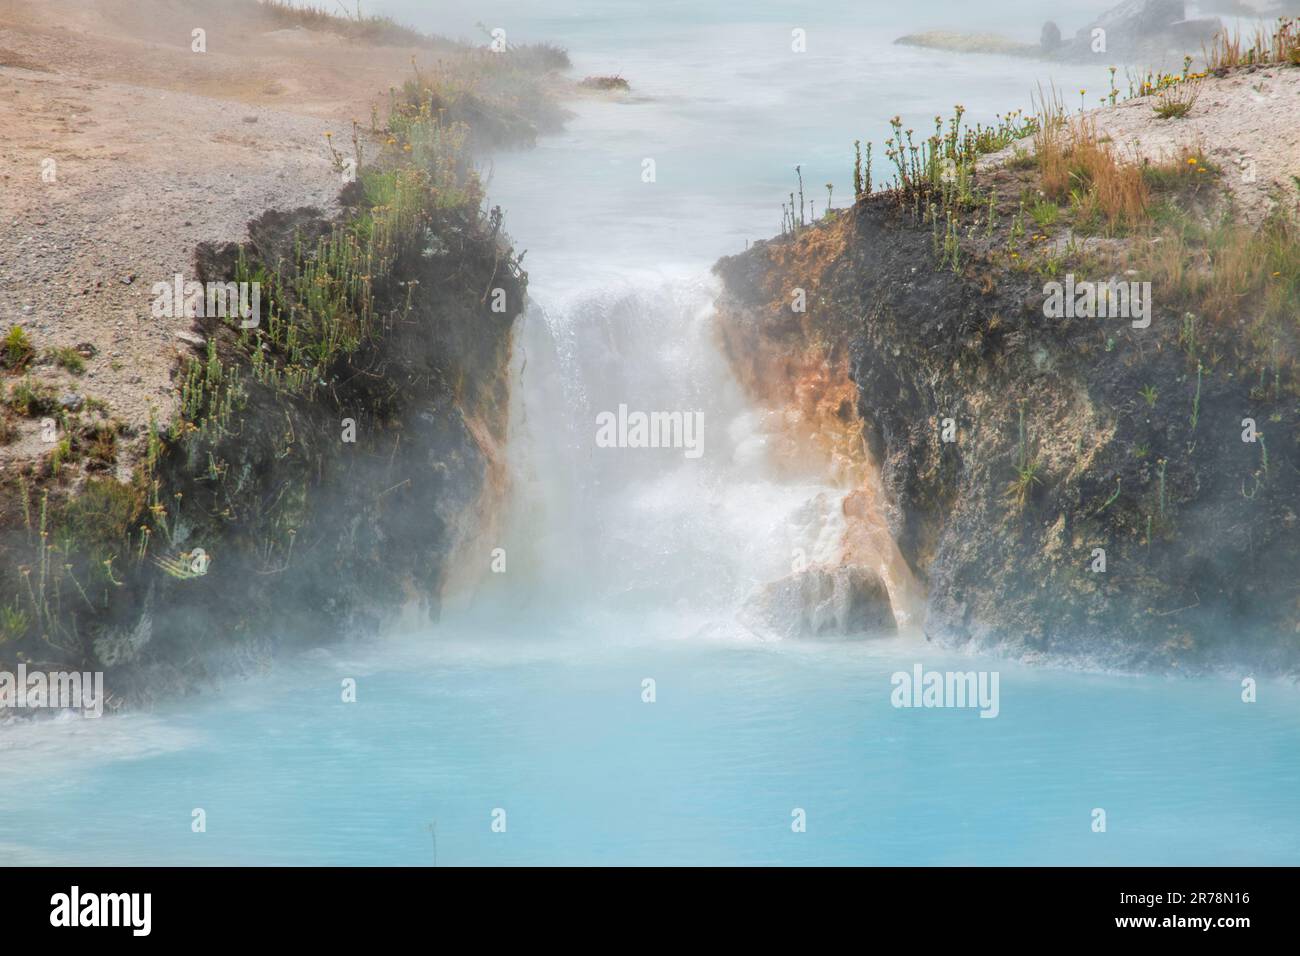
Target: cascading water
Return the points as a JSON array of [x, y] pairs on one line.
[[687, 532]]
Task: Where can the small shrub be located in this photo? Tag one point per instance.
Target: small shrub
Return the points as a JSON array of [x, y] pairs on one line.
[[1022, 159], [1076, 165], [68, 358], [1177, 100], [1044, 213], [354, 24], [103, 443], [60, 455], [1225, 270], [13, 623], [539, 57], [16, 350], [1021, 488], [102, 515], [1188, 167], [30, 398], [605, 83], [1276, 43]]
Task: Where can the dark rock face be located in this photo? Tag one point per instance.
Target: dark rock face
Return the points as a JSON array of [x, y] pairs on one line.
[[1200, 569], [324, 517], [823, 603]]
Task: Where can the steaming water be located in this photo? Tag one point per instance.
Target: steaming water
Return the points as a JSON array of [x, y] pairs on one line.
[[624, 565]]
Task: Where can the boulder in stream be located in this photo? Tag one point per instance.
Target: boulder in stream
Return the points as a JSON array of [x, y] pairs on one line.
[[822, 603]]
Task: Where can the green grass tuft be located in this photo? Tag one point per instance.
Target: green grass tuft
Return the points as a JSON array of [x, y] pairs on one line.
[[16, 351]]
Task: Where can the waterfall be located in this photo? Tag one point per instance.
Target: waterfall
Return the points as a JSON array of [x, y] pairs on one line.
[[679, 539]]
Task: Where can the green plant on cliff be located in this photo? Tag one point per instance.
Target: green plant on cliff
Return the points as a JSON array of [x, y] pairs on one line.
[[13, 623], [71, 543], [84, 545], [69, 359], [1012, 127], [322, 309], [936, 170], [102, 442], [1044, 213], [1196, 399], [1177, 101], [1027, 469], [951, 245], [354, 24], [1021, 488], [1279, 43], [1076, 165], [1260, 475], [931, 165], [60, 455], [16, 349], [1225, 271], [1185, 174], [211, 394], [861, 171], [102, 515], [98, 522], [1236, 283], [31, 398]]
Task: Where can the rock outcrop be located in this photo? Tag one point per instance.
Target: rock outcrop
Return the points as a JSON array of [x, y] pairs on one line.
[[822, 603], [1070, 489], [1147, 32], [1141, 30]]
